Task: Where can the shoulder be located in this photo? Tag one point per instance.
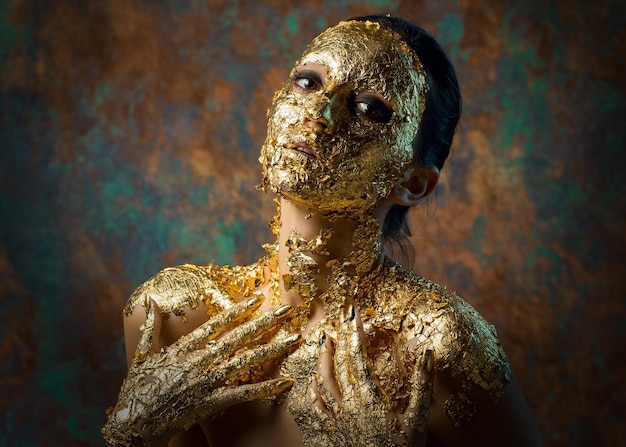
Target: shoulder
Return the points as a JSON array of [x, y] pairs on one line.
[[176, 290], [190, 293], [429, 316], [476, 398]]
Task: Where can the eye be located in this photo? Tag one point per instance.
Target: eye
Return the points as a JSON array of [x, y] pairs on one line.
[[306, 81], [373, 107]]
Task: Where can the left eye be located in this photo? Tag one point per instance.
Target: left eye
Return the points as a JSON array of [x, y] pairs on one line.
[[373, 108], [306, 81]]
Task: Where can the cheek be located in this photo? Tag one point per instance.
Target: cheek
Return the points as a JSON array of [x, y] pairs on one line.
[[283, 112], [370, 140], [387, 154], [400, 139]]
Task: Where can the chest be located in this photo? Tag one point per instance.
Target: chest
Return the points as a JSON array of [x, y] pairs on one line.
[[325, 386], [253, 424]]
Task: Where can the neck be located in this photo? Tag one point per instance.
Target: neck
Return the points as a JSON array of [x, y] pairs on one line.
[[308, 242]]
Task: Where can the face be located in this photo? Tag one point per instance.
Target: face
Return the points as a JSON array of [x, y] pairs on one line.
[[340, 130]]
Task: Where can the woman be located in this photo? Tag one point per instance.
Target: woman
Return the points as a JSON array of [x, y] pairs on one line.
[[326, 341]]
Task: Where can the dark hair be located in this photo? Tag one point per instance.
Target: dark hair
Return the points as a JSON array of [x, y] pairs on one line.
[[431, 145]]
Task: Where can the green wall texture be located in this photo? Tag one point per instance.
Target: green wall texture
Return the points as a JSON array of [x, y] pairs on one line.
[[129, 134]]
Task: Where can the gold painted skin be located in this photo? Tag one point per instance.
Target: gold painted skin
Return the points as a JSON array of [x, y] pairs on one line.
[[386, 330], [397, 309], [168, 391], [405, 318]]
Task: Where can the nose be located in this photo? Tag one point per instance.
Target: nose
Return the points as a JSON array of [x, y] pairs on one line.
[[317, 111], [316, 125]]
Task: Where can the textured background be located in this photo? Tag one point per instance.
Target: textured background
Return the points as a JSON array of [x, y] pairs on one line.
[[129, 134]]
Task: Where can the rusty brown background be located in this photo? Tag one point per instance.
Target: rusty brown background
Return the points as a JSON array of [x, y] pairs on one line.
[[128, 142]]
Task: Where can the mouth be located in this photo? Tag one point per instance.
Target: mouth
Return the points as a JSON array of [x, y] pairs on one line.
[[305, 149]]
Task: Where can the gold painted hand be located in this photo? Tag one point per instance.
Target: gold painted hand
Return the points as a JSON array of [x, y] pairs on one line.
[[352, 401], [168, 390]]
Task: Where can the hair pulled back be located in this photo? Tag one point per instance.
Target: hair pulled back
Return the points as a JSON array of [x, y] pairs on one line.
[[431, 145]]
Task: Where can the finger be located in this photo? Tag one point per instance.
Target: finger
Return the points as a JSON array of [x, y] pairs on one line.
[[218, 298], [150, 330], [417, 414], [356, 339], [218, 324], [252, 357], [225, 397], [158, 324], [326, 387], [351, 368], [219, 350], [341, 356]]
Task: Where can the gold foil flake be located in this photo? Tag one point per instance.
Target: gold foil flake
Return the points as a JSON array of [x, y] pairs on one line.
[[372, 25], [272, 249], [316, 245], [301, 265], [275, 222], [271, 264], [240, 281], [367, 242], [460, 410], [179, 289]]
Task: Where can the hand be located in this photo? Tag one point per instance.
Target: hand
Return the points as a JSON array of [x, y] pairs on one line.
[[170, 389], [355, 404]]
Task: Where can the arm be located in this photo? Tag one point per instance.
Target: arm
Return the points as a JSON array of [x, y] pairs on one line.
[[496, 421]]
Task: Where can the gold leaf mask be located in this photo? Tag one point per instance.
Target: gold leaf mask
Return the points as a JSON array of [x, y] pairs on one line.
[[340, 130]]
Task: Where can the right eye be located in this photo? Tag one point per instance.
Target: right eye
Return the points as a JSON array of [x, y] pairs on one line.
[[373, 107], [306, 81]]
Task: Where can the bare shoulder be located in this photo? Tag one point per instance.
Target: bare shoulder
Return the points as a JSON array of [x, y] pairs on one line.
[[465, 344], [187, 295], [178, 289], [476, 397]]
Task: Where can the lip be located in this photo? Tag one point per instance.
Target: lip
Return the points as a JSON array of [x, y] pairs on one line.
[[306, 149]]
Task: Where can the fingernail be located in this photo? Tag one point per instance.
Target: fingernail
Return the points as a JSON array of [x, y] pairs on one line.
[[322, 339], [283, 383], [149, 306], [351, 312], [292, 338], [429, 363], [252, 301], [282, 310]]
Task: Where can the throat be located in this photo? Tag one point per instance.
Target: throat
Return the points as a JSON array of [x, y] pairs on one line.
[[317, 254]]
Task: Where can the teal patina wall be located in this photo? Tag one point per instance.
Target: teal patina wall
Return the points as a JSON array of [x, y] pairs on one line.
[[129, 133]]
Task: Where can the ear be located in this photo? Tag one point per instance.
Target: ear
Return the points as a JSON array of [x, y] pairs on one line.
[[416, 184]]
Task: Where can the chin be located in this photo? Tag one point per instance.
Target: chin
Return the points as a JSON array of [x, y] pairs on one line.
[[328, 206]]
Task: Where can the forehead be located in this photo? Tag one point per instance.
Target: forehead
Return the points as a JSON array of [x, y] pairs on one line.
[[369, 56]]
